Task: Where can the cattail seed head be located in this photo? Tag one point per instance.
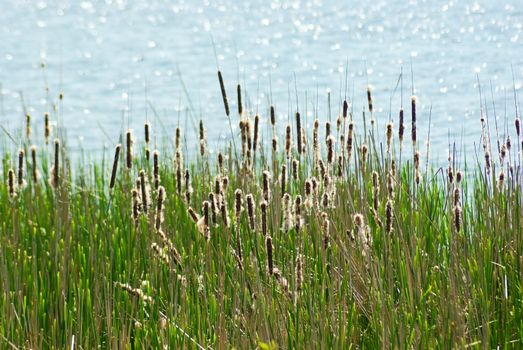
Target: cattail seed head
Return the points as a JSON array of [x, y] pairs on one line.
[[326, 231], [156, 170], [325, 199], [250, 211], [274, 144], [47, 128], [487, 161], [358, 220], [202, 139], [456, 196], [299, 272], [517, 123], [239, 96], [225, 214], [297, 212], [238, 204], [327, 130], [115, 166], [263, 208], [388, 216], [136, 204], [369, 98], [501, 180], [273, 117], [283, 179], [188, 187], [56, 167], [330, 149], [340, 166], [147, 131], [145, 192], [224, 94], [288, 140], [413, 100], [266, 187], [345, 108], [159, 208], [129, 149], [287, 213], [450, 174], [308, 187], [389, 135], [256, 132], [459, 176], [375, 190], [401, 127], [295, 167], [11, 183], [21, 180], [457, 218], [206, 220], [34, 168], [178, 138], [270, 262], [27, 125], [298, 133], [416, 160]]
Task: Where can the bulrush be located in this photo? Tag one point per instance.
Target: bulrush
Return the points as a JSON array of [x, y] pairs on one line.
[[178, 138], [266, 178], [47, 128], [263, 208], [325, 200], [362, 233], [159, 208], [136, 205], [413, 100], [214, 208], [145, 191], [330, 149], [129, 149], [256, 132], [389, 216], [27, 125], [501, 180], [270, 262], [326, 230], [287, 213], [457, 218], [202, 139], [178, 179], [459, 176], [34, 168], [283, 178], [315, 142], [21, 180], [345, 108], [288, 140], [308, 196], [375, 190], [450, 174], [239, 96], [273, 117], [194, 216], [274, 144], [156, 170], [350, 137], [224, 94], [456, 196], [250, 211], [205, 226], [11, 183], [225, 214], [401, 127], [363, 154], [238, 201], [340, 166], [390, 184], [295, 168], [517, 124], [220, 163], [225, 184], [298, 133], [298, 221], [487, 161], [147, 133], [55, 171], [389, 133], [115, 166], [188, 187], [369, 98]]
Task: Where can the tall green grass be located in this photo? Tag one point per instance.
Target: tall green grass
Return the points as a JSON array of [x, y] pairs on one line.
[[340, 241]]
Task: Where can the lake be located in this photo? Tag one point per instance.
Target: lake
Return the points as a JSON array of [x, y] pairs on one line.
[[120, 62]]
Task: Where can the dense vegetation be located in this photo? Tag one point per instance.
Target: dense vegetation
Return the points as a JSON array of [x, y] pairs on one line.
[[328, 238]]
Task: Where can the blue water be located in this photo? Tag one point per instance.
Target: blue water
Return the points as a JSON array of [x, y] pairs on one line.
[[120, 62]]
